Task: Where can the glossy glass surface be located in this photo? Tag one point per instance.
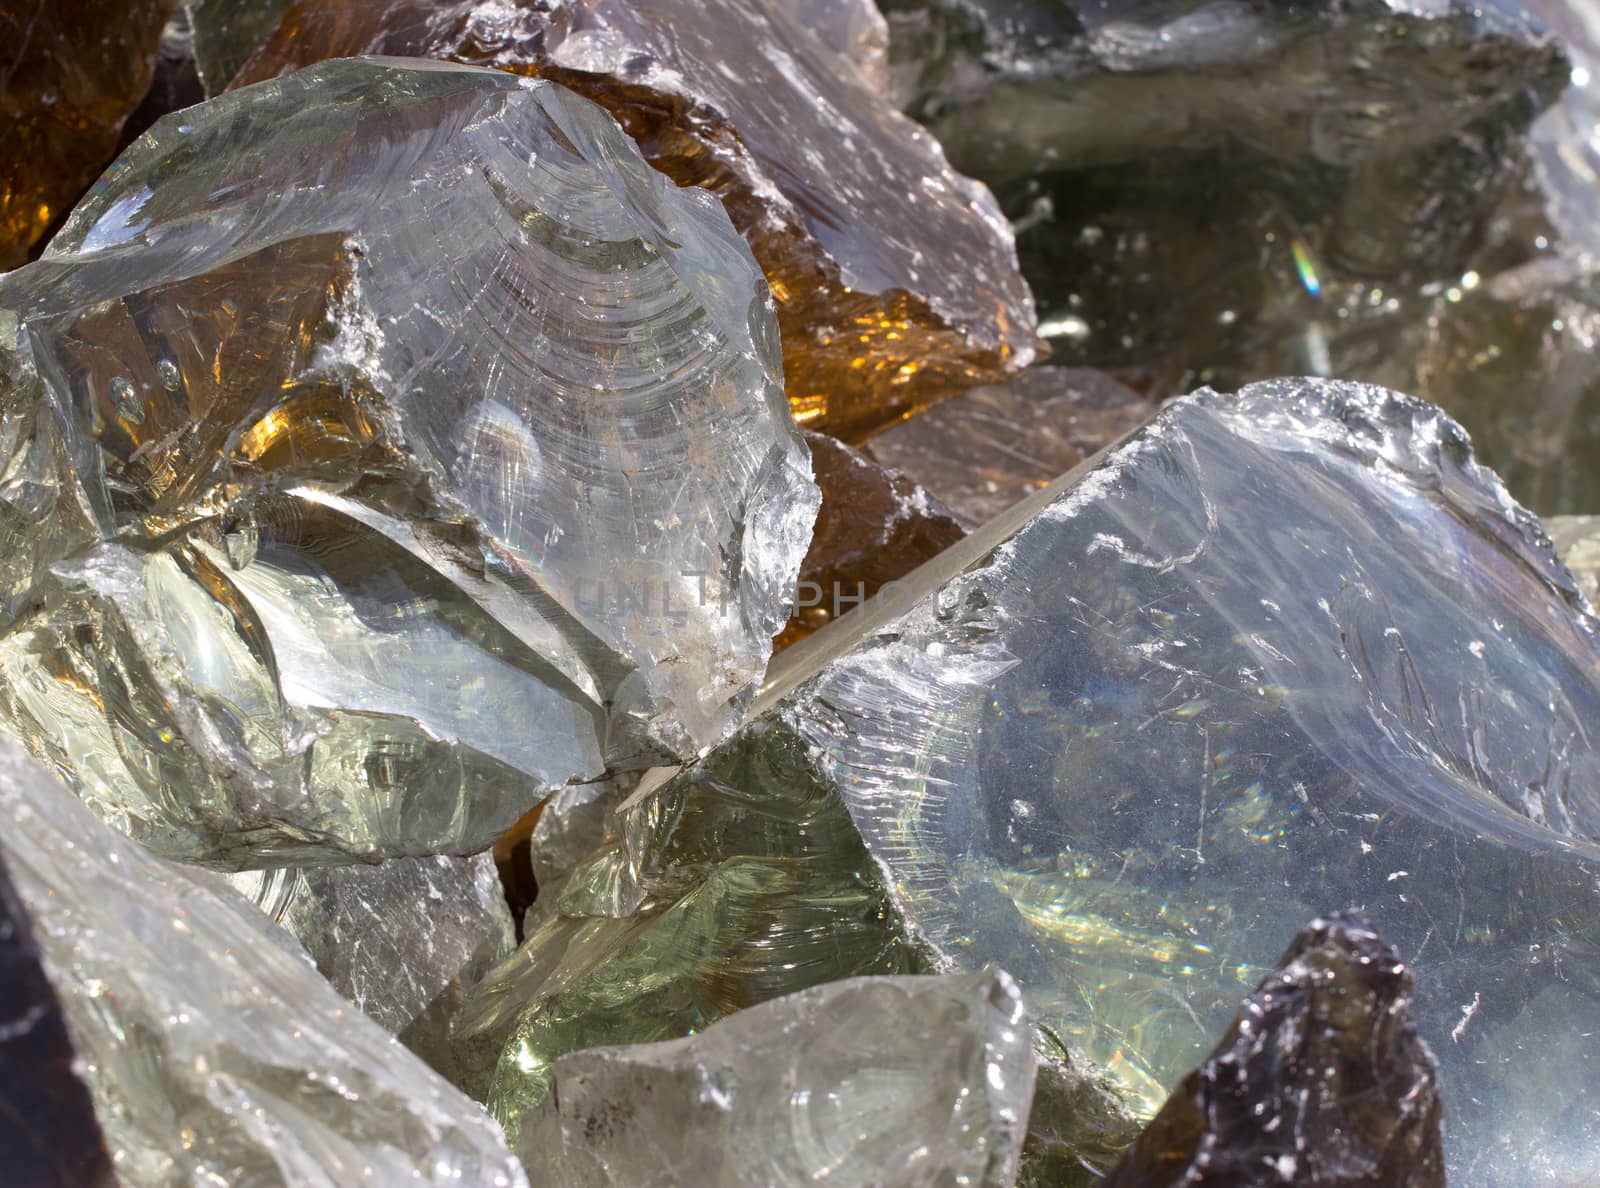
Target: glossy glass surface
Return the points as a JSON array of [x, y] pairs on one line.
[[1285, 650], [407, 448]]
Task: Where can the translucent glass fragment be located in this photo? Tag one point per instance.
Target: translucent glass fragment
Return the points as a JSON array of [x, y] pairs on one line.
[[570, 828], [983, 451], [912, 1081], [1284, 648], [365, 494], [214, 1052], [1321, 1082], [401, 940], [895, 276]]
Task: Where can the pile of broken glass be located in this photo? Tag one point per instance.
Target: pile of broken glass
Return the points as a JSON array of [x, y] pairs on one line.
[[655, 593]]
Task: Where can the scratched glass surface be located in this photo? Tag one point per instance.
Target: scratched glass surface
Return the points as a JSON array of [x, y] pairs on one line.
[[402, 940], [215, 1053], [405, 447], [1289, 651]]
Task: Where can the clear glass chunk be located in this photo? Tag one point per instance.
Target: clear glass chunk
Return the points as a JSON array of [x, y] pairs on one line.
[[391, 446], [215, 1053], [916, 1081], [1284, 648]]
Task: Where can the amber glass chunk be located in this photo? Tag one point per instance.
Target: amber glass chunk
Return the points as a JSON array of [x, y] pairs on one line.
[[74, 71], [875, 526], [985, 450]]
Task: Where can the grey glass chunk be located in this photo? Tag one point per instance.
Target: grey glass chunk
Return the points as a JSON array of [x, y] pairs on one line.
[[1321, 1082], [226, 32], [1208, 183], [910, 1080], [214, 1052], [401, 940]]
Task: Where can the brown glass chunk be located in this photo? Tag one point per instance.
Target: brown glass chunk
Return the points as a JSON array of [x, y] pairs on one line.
[[74, 71]]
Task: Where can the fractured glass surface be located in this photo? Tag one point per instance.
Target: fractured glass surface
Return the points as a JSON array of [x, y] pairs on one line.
[[850, 208], [362, 495], [571, 826], [401, 940], [214, 1052], [1240, 191], [1285, 648], [926, 1080]]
